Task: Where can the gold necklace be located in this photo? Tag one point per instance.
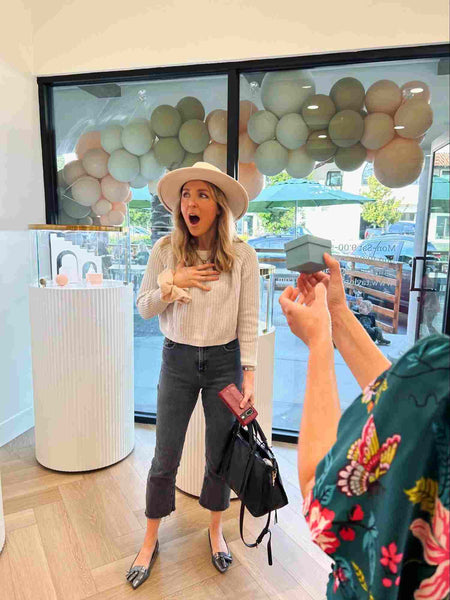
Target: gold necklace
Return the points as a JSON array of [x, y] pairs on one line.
[[203, 260]]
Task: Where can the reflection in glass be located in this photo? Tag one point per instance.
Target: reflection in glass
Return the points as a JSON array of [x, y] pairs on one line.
[[357, 130]]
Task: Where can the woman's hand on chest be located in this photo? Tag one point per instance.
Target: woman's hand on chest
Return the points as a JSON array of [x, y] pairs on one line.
[[189, 277]]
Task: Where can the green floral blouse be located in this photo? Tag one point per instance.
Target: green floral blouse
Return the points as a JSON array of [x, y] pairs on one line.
[[380, 503]]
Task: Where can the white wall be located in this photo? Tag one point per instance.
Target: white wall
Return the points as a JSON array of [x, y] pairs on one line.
[[21, 202], [76, 36]]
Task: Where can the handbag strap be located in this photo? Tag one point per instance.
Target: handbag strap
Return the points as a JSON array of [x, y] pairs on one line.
[[260, 537]]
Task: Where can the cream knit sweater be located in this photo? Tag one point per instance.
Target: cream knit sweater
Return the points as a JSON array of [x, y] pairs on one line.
[[230, 310]]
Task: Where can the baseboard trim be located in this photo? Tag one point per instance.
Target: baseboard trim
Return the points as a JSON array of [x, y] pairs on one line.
[[16, 425]]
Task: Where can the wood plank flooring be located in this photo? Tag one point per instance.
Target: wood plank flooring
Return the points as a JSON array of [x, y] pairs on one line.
[[73, 536]]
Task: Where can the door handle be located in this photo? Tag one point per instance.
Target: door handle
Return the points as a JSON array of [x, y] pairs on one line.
[[412, 287]]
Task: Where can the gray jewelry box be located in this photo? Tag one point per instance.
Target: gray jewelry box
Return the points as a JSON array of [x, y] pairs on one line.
[[305, 254]]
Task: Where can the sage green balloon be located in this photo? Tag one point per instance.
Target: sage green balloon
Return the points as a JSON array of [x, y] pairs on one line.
[[165, 121], [292, 131], [169, 152], [319, 145], [194, 136], [317, 111], [346, 128], [190, 108], [271, 157], [348, 93], [300, 164], [261, 126], [350, 159], [190, 159]]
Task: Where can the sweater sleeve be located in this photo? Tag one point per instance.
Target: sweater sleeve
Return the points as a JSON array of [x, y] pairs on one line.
[[248, 312], [149, 302]]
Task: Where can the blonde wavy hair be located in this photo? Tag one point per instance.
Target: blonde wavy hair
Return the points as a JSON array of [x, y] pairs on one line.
[[184, 245]]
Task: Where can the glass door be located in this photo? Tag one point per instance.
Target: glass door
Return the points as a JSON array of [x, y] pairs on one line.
[[434, 285]]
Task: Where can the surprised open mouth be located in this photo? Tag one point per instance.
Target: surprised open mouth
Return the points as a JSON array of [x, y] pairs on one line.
[[194, 219]]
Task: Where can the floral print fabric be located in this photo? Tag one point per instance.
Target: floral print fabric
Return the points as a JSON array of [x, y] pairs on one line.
[[380, 503]]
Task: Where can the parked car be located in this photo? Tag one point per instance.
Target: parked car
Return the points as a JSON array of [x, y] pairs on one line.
[[372, 231], [398, 248], [405, 227]]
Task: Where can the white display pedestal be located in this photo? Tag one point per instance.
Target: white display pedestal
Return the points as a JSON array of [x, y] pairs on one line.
[[82, 356], [192, 466]]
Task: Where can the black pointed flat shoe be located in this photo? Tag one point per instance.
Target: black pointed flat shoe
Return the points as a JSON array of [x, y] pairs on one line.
[[136, 575], [221, 560]]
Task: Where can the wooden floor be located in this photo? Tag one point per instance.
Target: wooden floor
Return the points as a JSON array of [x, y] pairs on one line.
[[73, 536]]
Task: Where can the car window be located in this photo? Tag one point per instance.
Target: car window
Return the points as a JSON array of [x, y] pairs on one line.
[[407, 252], [385, 250], [366, 249]]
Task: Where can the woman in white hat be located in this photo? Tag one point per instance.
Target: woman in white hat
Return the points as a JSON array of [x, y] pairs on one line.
[[203, 283]]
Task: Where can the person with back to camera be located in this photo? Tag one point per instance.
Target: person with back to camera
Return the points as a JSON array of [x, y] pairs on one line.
[[376, 481], [203, 282]]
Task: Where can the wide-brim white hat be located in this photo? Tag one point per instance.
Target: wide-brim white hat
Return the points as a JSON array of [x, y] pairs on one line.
[[169, 187]]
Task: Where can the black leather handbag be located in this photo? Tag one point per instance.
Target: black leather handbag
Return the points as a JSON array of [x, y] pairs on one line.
[[250, 468]]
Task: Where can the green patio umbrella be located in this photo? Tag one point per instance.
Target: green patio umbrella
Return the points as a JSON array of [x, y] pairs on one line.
[[300, 192]]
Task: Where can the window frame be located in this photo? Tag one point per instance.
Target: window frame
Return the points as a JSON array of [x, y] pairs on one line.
[[233, 70]]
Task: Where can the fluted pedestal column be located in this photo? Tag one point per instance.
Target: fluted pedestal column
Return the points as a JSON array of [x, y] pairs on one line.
[[192, 466], [82, 356]]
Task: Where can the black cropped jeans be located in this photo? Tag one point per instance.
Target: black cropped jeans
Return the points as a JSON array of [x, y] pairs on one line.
[[185, 371]]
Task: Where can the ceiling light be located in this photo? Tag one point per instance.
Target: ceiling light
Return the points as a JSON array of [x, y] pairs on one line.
[[399, 127], [313, 107], [416, 90]]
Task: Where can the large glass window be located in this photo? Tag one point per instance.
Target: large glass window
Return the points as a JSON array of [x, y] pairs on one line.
[[113, 143], [343, 150]]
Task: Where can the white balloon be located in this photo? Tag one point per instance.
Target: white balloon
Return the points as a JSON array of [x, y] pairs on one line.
[[111, 138], [95, 162], [262, 126], [271, 157], [283, 92], [137, 137], [65, 219], [101, 207], [194, 136], [300, 164], [73, 171], [165, 121], [123, 166], [292, 131], [86, 191], [149, 167]]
